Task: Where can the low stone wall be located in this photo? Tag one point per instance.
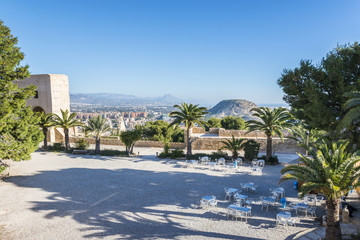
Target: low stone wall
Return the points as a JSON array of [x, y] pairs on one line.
[[288, 146], [214, 131], [221, 132], [211, 143], [197, 130], [116, 142]]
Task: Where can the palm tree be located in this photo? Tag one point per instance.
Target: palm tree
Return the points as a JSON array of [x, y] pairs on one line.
[[307, 137], [271, 122], [331, 170], [66, 121], [190, 115], [46, 121], [97, 126], [352, 106], [234, 145]]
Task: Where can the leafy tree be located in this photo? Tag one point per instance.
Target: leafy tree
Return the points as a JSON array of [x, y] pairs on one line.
[[129, 138], [153, 130], [19, 133], [66, 121], [214, 123], [316, 92], [97, 126], [331, 170], [251, 150], [271, 122], [177, 134], [46, 121], [234, 145], [233, 123], [190, 115]]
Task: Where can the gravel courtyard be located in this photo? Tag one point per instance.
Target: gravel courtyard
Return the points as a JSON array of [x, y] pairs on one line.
[[63, 196]]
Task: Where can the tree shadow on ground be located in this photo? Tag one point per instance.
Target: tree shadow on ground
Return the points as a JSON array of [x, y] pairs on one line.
[[130, 203]]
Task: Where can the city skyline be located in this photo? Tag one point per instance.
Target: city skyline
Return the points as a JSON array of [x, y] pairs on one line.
[[203, 51]]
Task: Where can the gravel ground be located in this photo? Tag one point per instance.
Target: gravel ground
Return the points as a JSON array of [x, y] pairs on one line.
[[62, 196]]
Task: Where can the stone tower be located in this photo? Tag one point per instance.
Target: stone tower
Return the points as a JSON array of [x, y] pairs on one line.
[[52, 94]]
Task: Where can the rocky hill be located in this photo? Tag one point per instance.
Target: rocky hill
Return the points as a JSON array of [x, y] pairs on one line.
[[233, 107]]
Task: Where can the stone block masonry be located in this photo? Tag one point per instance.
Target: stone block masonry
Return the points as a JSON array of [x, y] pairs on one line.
[[288, 146]]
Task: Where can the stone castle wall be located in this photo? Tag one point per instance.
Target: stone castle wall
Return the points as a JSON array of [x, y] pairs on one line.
[[117, 142], [213, 144], [288, 146]]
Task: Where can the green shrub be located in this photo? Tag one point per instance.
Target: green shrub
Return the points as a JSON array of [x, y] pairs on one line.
[[82, 144], [163, 155], [219, 154], [196, 156], [111, 152], [173, 154], [273, 159], [251, 150], [177, 153], [56, 147]]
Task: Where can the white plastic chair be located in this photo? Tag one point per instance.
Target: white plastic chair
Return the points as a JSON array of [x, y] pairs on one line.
[[292, 221], [227, 193], [312, 211], [221, 161], [261, 163], [232, 213], [239, 161], [281, 221]]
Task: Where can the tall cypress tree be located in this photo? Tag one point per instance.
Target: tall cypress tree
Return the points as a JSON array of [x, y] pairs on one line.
[[19, 133]]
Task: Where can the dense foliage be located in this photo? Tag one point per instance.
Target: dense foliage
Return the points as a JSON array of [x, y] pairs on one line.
[[19, 133], [214, 123], [81, 144], [251, 150], [316, 92], [229, 123], [173, 154], [332, 171], [233, 123], [154, 130], [129, 138]]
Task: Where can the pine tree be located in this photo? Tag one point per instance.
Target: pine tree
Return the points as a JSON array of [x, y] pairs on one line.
[[19, 133]]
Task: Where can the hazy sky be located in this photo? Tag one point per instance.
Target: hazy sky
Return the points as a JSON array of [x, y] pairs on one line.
[[208, 50]]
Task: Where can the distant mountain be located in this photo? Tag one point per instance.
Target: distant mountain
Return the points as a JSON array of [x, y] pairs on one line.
[[233, 107], [114, 99]]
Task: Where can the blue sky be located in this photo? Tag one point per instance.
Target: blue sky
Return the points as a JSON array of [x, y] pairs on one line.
[[201, 51]]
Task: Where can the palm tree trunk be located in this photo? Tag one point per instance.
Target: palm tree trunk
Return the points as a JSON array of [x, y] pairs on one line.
[[67, 143], [188, 145], [131, 148], [97, 146], [268, 148], [45, 130], [333, 230]]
